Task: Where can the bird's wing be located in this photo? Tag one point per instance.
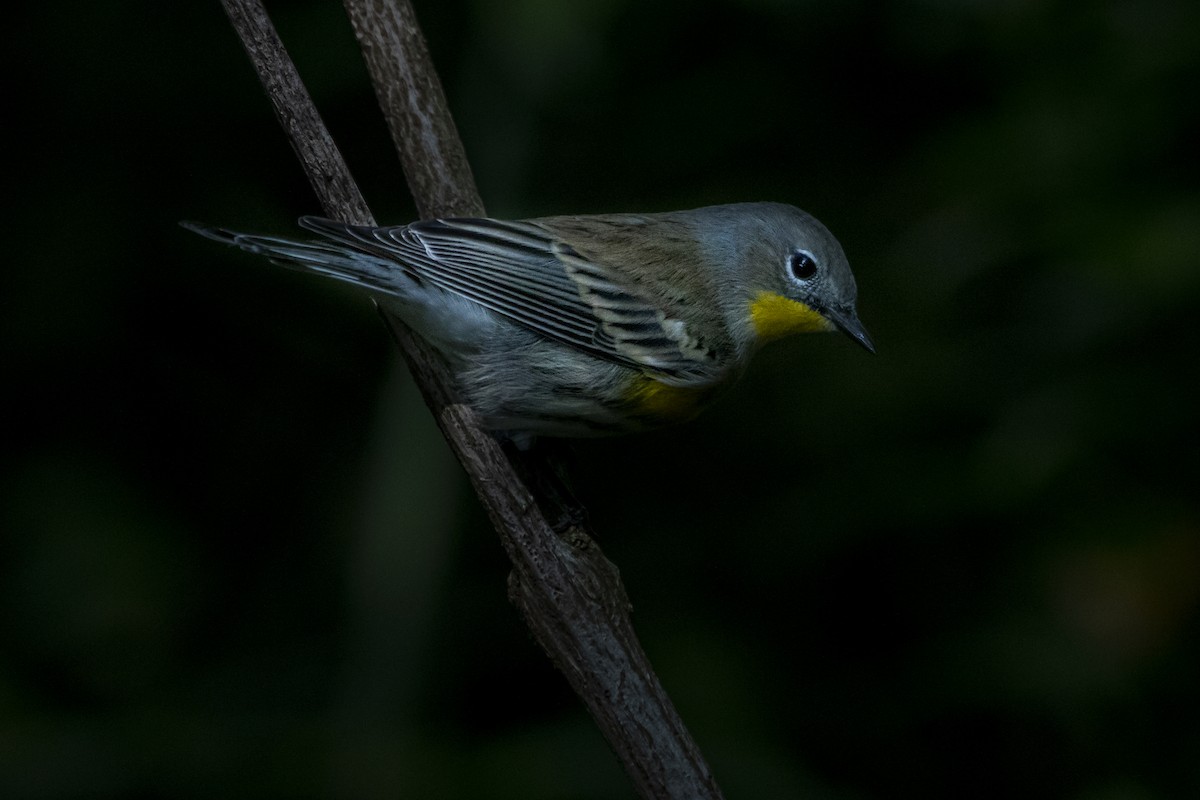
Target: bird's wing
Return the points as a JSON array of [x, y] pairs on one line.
[[527, 274]]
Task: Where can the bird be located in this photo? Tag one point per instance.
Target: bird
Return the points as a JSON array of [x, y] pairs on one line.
[[589, 325]]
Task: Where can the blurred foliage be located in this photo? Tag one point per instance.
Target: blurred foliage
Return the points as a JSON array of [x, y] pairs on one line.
[[238, 562]]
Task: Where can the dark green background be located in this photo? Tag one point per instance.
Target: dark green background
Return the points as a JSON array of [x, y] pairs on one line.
[[236, 560]]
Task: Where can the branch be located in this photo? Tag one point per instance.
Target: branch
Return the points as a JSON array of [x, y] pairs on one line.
[[410, 94], [570, 595]]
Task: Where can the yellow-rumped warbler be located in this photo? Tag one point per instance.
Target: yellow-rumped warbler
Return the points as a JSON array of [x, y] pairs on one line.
[[591, 325]]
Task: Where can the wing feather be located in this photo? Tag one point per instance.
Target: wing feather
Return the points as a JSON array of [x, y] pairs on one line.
[[526, 273]]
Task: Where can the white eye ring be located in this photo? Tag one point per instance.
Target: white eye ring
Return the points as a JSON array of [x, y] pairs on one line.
[[802, 265]]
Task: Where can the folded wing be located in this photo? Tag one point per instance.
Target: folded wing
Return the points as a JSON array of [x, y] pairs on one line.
[[525, 273]]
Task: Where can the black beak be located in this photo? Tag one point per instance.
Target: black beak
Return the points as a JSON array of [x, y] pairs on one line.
[[847, 322]]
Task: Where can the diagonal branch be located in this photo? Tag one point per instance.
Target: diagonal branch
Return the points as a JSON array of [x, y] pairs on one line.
[[570, 595], [410, 94]]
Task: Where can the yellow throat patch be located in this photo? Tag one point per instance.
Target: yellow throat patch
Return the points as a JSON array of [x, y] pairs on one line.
[[775, 315]]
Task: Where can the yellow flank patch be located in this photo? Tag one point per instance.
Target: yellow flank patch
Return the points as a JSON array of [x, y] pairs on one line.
[[667, 403], [775, 315]]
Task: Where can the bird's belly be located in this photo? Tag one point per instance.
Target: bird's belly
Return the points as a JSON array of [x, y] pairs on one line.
[[525, 385], [651, 402]]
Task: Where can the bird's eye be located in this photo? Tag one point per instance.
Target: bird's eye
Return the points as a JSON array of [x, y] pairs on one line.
[[802, 265]]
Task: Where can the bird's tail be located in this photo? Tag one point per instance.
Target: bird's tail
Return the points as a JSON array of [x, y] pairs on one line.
[[332, 259]]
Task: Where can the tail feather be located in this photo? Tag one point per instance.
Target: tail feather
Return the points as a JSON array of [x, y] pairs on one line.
[[331, 259]]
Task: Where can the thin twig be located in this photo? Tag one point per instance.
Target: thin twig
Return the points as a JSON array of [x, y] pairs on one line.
[[410, 94], [570, 595]]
